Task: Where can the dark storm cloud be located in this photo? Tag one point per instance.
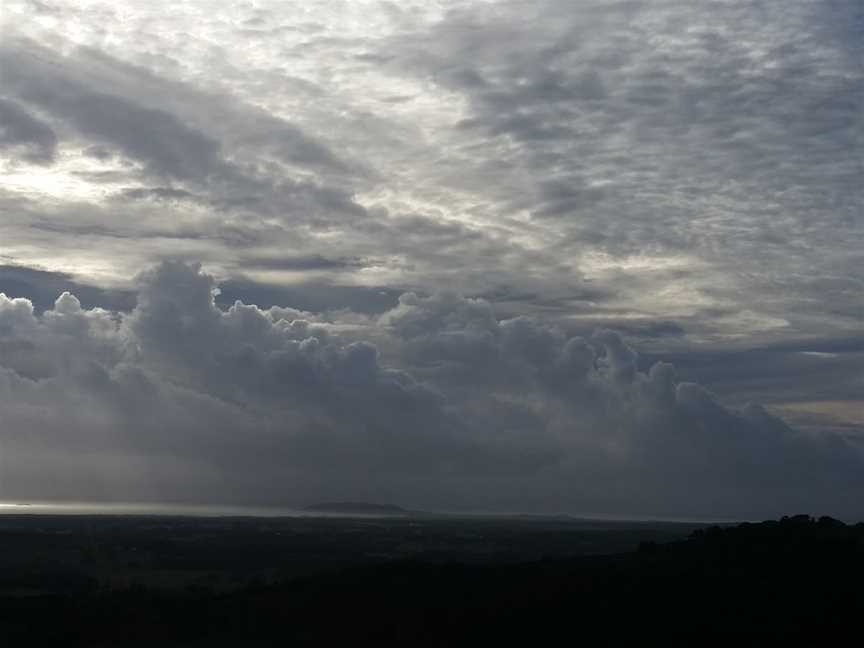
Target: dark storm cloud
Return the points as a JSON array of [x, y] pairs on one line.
[[515, 408], [25, 135], [432, 211]]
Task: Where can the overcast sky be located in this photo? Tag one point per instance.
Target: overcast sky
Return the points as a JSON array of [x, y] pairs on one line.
[[593, 256]]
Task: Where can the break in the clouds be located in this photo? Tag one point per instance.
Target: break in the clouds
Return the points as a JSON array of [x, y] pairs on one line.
[[473, 234]]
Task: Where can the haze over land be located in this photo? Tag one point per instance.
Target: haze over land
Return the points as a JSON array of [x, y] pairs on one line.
[[597, 257]]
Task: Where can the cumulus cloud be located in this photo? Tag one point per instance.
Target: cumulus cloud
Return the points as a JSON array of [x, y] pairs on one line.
[[181, 399], [435, 234]]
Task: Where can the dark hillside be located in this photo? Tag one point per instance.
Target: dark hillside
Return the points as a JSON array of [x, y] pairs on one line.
[[797, 581]]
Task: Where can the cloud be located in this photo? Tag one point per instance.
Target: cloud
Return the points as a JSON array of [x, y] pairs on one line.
[[42, 287], [309, 262], [176, 133], [309, 295], [472, 189], [727, 134], [277, 405], [25, 135], [717, 144]]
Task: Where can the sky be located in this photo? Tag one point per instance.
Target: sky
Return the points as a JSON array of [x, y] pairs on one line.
[[587, 256]]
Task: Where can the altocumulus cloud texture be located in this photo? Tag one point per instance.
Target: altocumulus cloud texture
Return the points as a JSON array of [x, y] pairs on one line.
[[586, 178], [181, 400]]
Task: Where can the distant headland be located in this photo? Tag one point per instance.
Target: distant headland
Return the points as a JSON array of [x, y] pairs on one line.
[[356, 508]]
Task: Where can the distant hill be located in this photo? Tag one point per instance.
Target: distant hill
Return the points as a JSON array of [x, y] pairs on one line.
[[357, 508]]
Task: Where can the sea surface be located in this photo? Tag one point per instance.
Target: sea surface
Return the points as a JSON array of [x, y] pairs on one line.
[[221, 510]]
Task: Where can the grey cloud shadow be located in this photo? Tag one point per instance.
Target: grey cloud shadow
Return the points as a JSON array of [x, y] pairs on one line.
[[24, 135], [309, 262], [313, 297], [105, 101]]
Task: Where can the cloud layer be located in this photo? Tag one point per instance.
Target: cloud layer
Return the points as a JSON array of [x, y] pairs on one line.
[[659, 162], [181, 400], [685, 174]]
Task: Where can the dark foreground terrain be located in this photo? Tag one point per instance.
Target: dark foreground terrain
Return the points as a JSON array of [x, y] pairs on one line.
[[144, 581]]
